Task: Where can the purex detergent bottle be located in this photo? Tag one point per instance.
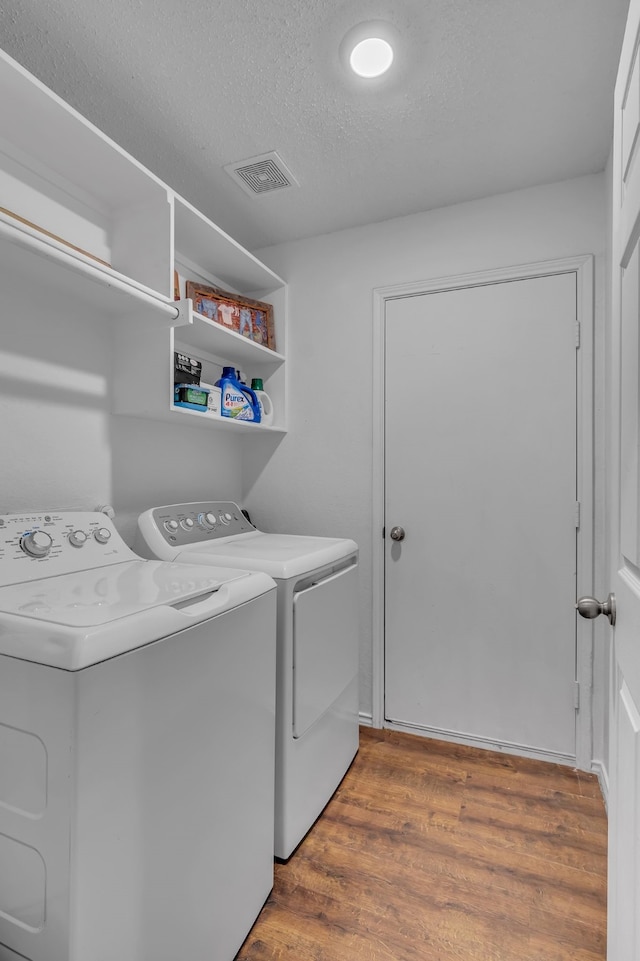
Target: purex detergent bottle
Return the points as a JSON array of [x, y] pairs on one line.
[[236, 399]]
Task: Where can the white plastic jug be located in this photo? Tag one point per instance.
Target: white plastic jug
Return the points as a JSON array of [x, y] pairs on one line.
[[266, 406]]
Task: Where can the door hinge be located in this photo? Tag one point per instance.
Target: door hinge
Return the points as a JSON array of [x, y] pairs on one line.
[[576, 695], [577, 334], [577, 514]]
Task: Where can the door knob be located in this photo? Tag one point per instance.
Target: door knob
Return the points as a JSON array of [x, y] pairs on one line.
[[397, 533], [590, 607]]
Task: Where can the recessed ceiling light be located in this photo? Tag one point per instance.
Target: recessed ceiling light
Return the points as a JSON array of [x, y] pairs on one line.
[[368, 50], [371, 57]]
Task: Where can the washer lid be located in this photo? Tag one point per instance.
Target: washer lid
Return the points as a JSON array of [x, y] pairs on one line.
[[279, 555], [104, 594], [75, 620]]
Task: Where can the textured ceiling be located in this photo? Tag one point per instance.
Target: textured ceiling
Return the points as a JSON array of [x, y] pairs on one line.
[[485, 96]]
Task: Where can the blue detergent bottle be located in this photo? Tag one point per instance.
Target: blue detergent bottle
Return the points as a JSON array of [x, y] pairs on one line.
[[236, 399]]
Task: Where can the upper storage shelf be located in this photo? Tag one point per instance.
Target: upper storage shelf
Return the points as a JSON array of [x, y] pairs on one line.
[[39, 124], [202, 245], [59, 173], [206, 254]]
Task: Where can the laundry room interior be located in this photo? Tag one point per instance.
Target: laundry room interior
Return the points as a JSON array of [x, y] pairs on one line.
[[506, 174]]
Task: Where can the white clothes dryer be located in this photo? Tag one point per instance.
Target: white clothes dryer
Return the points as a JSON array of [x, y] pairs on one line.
[[137, 716], [317, 648]]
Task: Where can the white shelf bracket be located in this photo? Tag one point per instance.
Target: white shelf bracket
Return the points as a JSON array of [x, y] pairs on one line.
[[184, 312]]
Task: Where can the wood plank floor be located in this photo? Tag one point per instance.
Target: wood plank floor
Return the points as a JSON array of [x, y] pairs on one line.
[[431, 851]]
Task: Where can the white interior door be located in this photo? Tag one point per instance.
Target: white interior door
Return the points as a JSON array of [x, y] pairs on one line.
[[480, 471], [624, 512]]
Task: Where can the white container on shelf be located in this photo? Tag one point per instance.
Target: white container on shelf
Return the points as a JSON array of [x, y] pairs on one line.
[[266, 408], [265, 402], [214, 399]]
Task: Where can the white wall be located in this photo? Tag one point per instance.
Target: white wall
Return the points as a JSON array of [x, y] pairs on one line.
[[59, 446], [319, 480]]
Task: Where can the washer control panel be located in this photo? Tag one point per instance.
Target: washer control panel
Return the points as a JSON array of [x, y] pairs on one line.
[[184, 524], [44, 544]]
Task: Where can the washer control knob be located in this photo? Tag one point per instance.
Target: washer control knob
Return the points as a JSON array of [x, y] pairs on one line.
[[186, 523], [102, 535], [77, 538], [171, 526], [210, 519], [36, 543]]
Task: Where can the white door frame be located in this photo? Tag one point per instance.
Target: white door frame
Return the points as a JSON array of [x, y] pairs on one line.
[[584, 270]]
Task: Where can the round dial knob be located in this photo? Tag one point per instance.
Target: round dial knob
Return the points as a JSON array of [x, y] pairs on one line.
[[187, 523], [102, 535], [36, 543], [77, 538], [171, 526], [210, 519]]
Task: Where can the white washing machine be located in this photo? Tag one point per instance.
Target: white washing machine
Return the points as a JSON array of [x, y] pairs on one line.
[[137, 717], [317, 655]]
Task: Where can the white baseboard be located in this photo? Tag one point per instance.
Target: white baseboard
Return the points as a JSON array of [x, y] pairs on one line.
[[602, 774], [455, 737]]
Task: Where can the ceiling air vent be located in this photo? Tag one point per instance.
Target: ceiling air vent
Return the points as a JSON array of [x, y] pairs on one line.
[[261, 175]]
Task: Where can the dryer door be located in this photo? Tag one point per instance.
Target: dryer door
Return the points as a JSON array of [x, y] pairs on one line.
[[325, 643]]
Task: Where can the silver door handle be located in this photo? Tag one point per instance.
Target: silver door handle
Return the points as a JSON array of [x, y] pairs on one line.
[[590, 607], [396, 533]]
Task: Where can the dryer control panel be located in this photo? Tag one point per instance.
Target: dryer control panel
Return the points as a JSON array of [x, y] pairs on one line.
[[181, 525]]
